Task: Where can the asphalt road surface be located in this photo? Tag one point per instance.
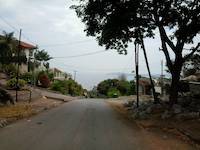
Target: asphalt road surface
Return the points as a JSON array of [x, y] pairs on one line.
[[81, 125]]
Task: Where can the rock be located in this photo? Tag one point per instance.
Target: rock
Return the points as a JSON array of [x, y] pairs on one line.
[[177, 109], [149, 110], [154, 109], [143, 115], [188, 116], [166, 115], [3, 123], [129, 104], [135, 115]]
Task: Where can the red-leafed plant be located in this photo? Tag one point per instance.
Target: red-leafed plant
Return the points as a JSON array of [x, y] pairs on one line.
[[44, 80]]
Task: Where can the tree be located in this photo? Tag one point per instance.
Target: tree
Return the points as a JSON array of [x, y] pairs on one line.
[[117, 23], [6, 47], [43, 57], [124, 87], [8, 50]]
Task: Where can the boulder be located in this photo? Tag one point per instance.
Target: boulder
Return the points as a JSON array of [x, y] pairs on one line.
[[177, 109]]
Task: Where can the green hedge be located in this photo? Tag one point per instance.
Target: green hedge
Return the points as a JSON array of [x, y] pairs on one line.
[[12, 83]]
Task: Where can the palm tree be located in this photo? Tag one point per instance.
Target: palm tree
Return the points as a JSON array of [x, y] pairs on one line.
[[43, 57], [6, 47]]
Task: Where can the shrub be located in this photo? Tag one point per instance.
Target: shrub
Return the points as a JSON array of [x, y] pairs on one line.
[[10, 70], [59, 86], [124, 87], [113, 93], [12, 83], [44, 80], [28, 77], [5, 97], [68, 87]]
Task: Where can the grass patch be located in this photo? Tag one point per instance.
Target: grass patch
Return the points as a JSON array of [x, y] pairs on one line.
[[17, 111]]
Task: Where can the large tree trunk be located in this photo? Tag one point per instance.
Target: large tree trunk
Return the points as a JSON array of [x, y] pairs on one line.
[[173, 97]]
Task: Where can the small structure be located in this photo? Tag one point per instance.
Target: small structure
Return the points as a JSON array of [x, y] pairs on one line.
[[144, 87], [59, 75]]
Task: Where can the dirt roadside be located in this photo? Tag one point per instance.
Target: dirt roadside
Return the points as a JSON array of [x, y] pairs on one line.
[[25, 110], [164, 129]]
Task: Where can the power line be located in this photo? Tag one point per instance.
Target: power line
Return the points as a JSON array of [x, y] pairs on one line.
[[81, 55], [84, 68], [14, 28], [63, 44]]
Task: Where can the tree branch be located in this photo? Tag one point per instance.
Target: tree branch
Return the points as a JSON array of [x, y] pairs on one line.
[[166, 38], [186, 57], [168, 59]]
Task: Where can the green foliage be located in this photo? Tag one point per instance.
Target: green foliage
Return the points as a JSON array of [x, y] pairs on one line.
[[60, 86], [117, 23], [10, 70], [68, 87], [192, 65], [28, 77], [6, 47], [12, 83], [113, 93], [50, 75], [132, 87], [123, 86], [5, 97], [42, 56]]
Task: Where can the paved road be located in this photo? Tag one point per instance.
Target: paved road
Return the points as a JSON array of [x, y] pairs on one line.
[[77, 125]]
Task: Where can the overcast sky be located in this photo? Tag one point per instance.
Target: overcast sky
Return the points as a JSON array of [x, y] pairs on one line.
[[54, 27]]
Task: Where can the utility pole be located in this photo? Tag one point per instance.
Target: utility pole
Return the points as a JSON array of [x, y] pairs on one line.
[[75, 75], [162, 77], [17, 77], [148, 68], [34, 61], [137, 71]]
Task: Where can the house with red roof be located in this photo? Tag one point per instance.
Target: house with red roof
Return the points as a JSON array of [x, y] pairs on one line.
[[28, 50]]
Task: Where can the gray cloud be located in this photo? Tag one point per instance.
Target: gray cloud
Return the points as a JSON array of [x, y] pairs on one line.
[[47, 22]]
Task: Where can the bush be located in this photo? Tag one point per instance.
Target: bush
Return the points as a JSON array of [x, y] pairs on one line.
[[44, 80], [113, 93], [68, 87], [12, 83], [28, 77], [5, 97], [10, 70], [59, 86], [125, 88]]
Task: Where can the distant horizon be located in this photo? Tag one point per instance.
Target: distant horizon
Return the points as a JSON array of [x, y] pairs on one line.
[[97, 78]]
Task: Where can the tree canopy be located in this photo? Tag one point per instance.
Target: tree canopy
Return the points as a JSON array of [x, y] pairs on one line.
[[124, 87], [8, 50], [119, 22], [42, 56]]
